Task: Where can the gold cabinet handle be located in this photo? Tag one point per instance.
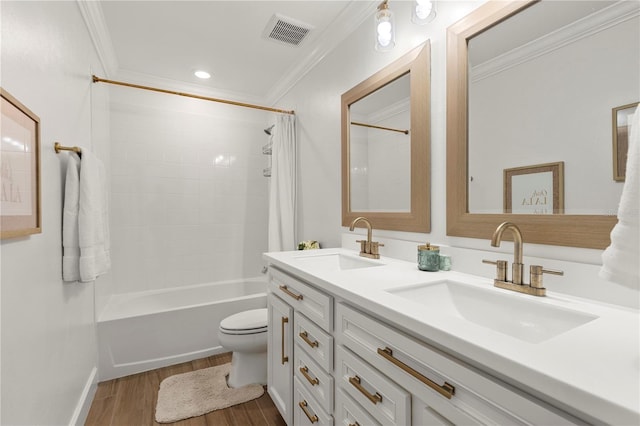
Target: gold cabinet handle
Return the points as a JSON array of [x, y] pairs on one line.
[[284, 358], [374, 398], [303, 406], [308, 341], [354, 424], [447, 390], [288, 292], [305, 372]]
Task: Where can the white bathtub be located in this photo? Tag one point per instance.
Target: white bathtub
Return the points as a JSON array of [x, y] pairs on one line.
[[146, 330]]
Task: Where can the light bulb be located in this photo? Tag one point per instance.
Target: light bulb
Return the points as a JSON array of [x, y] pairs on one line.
[[385, 34], [424, 11]]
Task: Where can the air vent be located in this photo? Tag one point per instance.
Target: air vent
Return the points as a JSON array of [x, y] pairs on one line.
[[286, 30]]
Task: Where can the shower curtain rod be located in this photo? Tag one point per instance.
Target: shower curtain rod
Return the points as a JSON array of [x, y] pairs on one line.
[[188, 95], [355, 123]]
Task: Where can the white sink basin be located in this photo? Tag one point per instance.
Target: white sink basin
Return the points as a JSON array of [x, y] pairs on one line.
[[336, 261], [520, 316]]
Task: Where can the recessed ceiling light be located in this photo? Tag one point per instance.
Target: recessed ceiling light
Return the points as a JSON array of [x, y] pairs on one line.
[[202, 74]]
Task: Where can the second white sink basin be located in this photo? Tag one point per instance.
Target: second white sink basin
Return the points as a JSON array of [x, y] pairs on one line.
[[336, 261], [524, 318]]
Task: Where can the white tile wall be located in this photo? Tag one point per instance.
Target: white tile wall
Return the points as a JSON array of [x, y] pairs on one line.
[[189, 202]]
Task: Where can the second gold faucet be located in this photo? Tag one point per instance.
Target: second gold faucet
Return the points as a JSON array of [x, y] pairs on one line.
[[535, 287]]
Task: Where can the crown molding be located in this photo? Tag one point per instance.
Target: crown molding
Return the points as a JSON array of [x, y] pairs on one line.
[[606, 18], [348, 21], [94, 20]]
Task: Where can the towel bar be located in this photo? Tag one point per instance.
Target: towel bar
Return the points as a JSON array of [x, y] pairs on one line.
[[59, 148]]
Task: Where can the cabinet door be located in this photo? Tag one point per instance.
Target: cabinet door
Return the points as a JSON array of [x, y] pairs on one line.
[[280, 356]]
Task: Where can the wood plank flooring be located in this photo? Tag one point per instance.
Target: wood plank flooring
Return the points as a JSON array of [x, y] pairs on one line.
[[131, 401]]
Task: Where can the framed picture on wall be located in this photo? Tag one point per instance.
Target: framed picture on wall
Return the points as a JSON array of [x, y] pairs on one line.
[[620, 119], [537, 189], [20, 208]]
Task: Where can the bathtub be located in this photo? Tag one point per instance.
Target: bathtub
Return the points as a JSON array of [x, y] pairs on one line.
[[146, 330]]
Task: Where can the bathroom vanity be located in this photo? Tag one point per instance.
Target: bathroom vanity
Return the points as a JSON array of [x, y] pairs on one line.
[[363, 341]]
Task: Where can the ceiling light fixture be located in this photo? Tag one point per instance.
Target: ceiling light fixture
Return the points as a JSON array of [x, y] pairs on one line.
[[423, 11], [202, 74], [384, 27]]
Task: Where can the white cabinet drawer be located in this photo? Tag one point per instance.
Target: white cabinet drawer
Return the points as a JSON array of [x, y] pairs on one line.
[[313, 340], [306, 410], [424, 414], [317, 382], [382, 398], [349, 413], [316, 305], [442, 382]]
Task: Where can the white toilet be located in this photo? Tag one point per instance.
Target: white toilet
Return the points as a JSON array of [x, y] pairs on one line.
[[245, 334]]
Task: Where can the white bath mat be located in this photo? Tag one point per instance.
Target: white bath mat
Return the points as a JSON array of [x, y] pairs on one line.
[[199, 392]]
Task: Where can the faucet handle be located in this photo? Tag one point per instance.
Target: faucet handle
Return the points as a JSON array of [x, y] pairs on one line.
[[374, 247], [535, 275], [501, 268]]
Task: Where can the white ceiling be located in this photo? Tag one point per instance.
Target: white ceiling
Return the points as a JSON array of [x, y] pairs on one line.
[[164, 42]]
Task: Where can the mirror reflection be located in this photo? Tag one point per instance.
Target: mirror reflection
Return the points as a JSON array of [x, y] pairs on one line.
[[541, 88], [380, 148]]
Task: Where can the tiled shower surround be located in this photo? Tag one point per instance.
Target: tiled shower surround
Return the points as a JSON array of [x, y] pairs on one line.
[[189, 202]]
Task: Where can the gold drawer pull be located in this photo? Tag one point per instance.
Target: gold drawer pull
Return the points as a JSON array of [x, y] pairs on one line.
[[354, 424], [447, 390], [303, 405], [288, 292], [375, 398], [305, 337], [305, 372], [283, 357]]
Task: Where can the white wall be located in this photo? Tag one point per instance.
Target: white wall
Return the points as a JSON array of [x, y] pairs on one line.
[[48, 329], [316, 99], [189, 199]]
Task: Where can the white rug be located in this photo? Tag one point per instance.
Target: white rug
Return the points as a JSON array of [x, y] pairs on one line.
[[199, 392]]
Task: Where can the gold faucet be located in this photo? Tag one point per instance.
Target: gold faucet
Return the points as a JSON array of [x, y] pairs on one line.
[[516, 283], [517, 248], [368, 248]]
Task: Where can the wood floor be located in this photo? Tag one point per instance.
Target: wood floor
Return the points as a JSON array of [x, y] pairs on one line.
[[131, 401]]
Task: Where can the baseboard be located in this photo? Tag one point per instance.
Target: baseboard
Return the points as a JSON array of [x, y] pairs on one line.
[[86, 398]]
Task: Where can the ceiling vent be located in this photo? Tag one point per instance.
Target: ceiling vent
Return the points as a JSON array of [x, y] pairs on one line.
[[285, 30]]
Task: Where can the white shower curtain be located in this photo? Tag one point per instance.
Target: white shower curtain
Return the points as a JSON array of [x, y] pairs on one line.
[[282, 196]]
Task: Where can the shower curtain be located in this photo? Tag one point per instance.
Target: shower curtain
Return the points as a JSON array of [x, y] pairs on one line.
[[282, 195]]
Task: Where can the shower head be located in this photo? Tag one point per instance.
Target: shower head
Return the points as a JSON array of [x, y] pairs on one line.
[[268, 129]]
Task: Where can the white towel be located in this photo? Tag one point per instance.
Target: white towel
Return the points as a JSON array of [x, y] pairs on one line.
[[70, 241], [93, 219], [620, 261]]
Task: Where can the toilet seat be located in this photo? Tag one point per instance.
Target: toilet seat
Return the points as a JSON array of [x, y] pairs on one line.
[[248, 322]]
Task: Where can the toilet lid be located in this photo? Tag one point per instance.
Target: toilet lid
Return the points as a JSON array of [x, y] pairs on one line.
[[253, 321]]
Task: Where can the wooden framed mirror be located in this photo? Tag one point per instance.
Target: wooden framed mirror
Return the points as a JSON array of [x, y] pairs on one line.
[[386, 146], [579, 225]]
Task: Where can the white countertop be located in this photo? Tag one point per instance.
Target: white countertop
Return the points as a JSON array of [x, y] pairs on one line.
[[592, 371]]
